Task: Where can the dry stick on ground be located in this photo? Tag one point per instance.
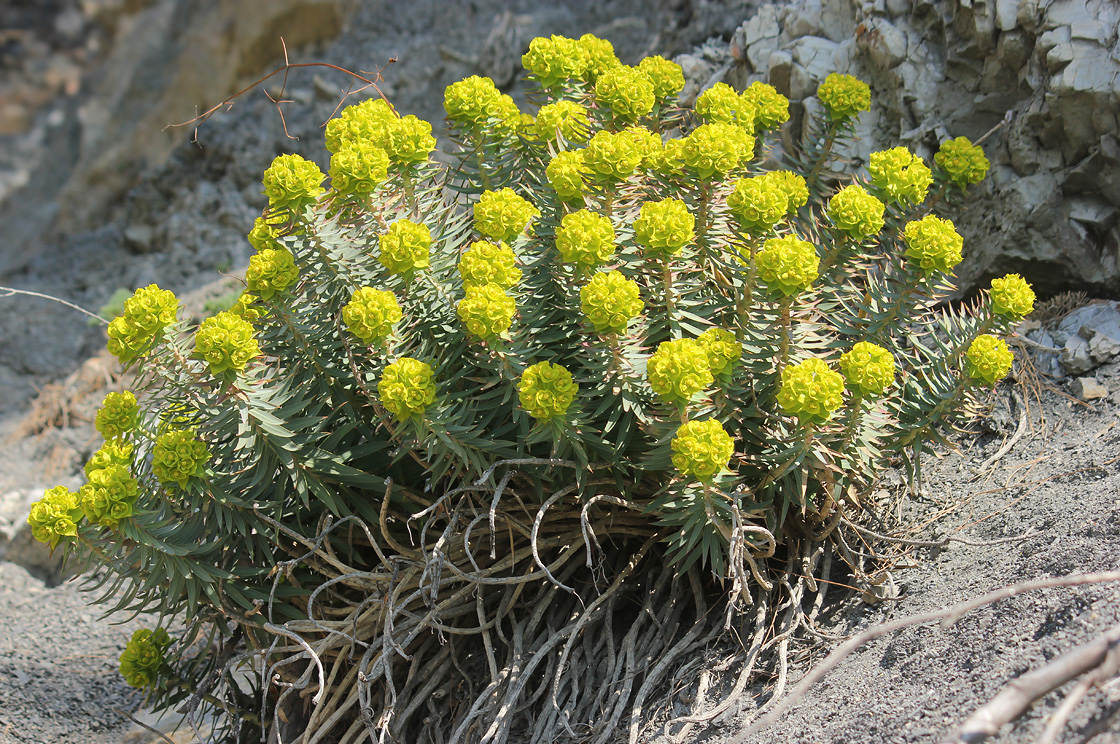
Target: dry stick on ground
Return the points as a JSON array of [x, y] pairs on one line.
[[1102, 654], [947, 617]]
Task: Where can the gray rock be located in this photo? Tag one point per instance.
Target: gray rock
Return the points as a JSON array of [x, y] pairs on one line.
[[1087, 388], [1075, 356], [883, 42]]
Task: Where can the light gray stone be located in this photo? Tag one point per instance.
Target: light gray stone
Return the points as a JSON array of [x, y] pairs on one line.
[[883, 42], [1075, 356], [1007, 14], [1087, 388], [816, 57]]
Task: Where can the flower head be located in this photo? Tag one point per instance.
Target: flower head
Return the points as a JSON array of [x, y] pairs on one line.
[[118, 415], [358, 168], [109, 495], [143, 657], [963, 161], [266, 231], [178, 456], [502, 215], [844, 96], [600, 57], [585, 238], [408, 140], [720, 104], [770, 107], [667, 77], [363, 122], [794, 186], [626, 91], [407, 388], [565, 174], [55, 516], [811, 391], [900, 175], [933, 243], [371, 314], [667, 161], [486, 311], [404, 247], [245, 309], [856, 212], [723, 349], [665, 227], [564, 118], [270, 272], [552, 61], [468, 101], [788, 264], [759, 203], [679, 369], [717, 149], [988, 360], [487, 263], [701, 449], [146, 314], [612, 156], [1012, 297], [226, 342], [610, 301], [113, 452], [868, 368], [292, 184], [546, 391]]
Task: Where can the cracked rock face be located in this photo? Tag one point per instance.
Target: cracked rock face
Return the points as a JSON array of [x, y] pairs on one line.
[[1045, 72]]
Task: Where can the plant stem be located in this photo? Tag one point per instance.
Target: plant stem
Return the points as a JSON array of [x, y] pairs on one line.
[[670, 300], [854, 417], [822, 157], [702, 219], [896, 306], [787, 333], [743, 303], [806, 443]]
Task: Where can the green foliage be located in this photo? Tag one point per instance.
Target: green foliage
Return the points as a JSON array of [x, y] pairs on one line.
[[585, 323]]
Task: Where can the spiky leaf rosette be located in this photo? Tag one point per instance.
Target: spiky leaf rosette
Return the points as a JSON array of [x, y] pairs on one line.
[[458, 397]]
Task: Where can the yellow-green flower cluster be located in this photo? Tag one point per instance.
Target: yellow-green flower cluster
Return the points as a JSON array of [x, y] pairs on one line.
[[109, 495], [266, 231], [868, 368], [502, 215], [844, 96], [469, 102], [668, 160], [245, 309], [794, 186], [1012, 297], [667, 77], [564, 118], [665, 227], [546, 391], [933, 243], [406, 388], [963, 161], [142, 658], [368, 121], [626, 91], [787, 264], [811, 390], [404, 247], [113, 452], [358, 168], [988, 360], [600, 57], [55, 516], [553, 60], [410, 140], [585, 238], [612, 156], [487, 263], [118, 415], [486, 311], [178, 456], [371, 314], [701, 449], [900, 175], [723, 349], [146, 314], [720, 104], [226, 342], [759, 203], [270, 272], [292, 183], [856, 212], [610, 301], [565, 174], [717, 149], [679, 369], [770, 107]]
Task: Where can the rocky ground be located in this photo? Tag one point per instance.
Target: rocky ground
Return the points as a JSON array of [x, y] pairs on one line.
[[96, 197]]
